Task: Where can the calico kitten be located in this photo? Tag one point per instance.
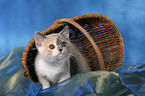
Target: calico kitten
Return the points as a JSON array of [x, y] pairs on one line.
[[57, 58]]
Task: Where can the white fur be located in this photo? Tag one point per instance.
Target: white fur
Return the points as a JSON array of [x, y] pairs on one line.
[[53, 72]]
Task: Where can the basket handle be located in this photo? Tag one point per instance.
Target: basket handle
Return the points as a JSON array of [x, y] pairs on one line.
[[98, 53]]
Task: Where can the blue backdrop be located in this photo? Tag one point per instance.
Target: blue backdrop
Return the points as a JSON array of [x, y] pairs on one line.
[[20, 19]]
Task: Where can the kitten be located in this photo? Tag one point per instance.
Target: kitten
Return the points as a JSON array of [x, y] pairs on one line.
[[57, 58]]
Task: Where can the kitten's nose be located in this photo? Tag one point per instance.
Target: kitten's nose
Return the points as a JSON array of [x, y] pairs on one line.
[[60, 50]]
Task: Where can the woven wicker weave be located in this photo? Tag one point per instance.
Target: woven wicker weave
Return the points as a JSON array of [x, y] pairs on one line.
[[85, 30]]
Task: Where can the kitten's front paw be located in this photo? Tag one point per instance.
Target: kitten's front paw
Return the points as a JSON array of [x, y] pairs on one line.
[[64, 78], [45, 87]]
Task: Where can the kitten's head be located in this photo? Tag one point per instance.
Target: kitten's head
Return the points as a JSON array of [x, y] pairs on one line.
[[53, 46]]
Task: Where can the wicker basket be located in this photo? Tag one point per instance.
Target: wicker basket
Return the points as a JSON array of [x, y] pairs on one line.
[[96, 36]]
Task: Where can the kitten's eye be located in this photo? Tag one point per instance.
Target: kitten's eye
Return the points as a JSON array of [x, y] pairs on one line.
[[63, 44], [51, 46]]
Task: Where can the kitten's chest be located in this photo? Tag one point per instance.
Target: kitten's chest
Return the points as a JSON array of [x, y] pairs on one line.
[[50, 69]]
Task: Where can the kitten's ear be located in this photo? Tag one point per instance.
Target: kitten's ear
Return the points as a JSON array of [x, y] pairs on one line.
[[39, 39], [65, 32]]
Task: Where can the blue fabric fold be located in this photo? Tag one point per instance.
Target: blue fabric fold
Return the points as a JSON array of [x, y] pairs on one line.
[[94, 83], [133, 77], [12, 80]]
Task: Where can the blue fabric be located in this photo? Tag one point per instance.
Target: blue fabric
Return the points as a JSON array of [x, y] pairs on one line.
[[95, 83], [99, 83], [12, 80], [133, 77]]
